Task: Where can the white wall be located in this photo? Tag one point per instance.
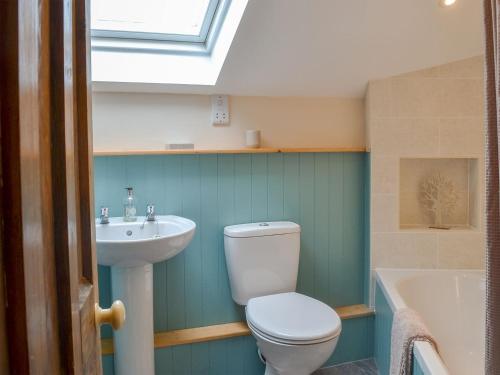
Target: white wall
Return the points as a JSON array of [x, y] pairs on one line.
[[126, 121]]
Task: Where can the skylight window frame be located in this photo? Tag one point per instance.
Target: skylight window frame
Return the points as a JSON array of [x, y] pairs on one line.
[[215, 7], [154, 66]]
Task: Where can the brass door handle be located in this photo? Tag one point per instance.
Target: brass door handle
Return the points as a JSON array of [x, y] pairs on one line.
[[115, 315]]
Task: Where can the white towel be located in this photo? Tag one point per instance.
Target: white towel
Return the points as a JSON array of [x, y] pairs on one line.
[[407, 327]]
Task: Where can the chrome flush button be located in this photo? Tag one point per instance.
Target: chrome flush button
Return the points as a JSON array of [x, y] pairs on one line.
[[264, 224]]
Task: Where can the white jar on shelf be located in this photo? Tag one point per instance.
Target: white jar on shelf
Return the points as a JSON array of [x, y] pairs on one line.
[[252, 138]]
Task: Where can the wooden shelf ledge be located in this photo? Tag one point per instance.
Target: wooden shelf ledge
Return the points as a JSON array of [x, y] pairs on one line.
[[228, 151], [224, 331], [354, 311]]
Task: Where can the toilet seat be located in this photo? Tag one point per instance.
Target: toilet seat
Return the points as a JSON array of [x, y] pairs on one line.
[[293, 319], [280, 341]]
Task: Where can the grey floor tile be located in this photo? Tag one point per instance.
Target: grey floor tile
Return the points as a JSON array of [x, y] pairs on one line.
[[364, 367]]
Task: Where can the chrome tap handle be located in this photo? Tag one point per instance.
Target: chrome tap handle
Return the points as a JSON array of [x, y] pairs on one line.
[[104, 218], [150, 212]]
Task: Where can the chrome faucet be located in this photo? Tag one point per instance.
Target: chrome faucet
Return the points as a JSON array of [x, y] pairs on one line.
[[104, 218], [150, 212], [150, 215]]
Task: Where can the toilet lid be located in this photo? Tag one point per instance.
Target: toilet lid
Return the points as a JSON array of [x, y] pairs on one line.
[[293, 316]]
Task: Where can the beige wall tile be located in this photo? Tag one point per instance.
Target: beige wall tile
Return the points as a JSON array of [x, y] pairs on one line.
[[384, 171], [404, 250], [461, 250], [405, 137], [380, 99], [461, 136], [460, 97], [385, 216], [416, 97]]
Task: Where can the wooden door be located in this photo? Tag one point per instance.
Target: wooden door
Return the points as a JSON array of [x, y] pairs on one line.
[[47, 227]]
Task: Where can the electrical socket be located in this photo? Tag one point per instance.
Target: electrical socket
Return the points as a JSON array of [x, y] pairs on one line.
[[220, 110]]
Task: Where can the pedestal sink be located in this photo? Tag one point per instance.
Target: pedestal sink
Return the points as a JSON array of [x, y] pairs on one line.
[[131, 248]]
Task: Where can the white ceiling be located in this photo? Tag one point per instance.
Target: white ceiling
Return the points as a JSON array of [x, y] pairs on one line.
[[334, 47]]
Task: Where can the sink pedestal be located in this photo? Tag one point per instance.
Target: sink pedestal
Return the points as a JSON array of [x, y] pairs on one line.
[[131, 249], [134, 343]]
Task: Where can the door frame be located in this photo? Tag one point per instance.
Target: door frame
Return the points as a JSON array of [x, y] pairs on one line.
[[47, 230]]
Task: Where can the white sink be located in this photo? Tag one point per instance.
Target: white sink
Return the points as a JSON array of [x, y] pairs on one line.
[[129, 244], [131, 248]]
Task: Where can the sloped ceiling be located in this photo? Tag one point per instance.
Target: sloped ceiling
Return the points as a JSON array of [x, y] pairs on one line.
[[334, 47]]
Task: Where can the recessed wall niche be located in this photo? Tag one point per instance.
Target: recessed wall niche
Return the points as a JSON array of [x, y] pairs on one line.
[[438, 193]]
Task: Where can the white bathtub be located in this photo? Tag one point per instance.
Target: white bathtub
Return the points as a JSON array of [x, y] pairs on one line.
[[452, 305]]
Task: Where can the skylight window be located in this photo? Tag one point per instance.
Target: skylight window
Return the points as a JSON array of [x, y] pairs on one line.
[[166, 20], [151, 44]]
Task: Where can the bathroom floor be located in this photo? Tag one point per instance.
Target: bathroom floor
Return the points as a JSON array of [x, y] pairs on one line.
[[364, 367]]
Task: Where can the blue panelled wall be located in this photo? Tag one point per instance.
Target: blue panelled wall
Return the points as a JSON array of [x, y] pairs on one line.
[[326, 193]]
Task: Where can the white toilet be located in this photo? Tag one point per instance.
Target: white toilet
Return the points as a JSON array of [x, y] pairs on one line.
[[295, 333]]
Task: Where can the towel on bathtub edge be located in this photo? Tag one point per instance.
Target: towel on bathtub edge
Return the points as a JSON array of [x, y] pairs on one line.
[[407, 328]]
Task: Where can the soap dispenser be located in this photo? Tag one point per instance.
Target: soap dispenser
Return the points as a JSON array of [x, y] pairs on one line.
[[129, 210]]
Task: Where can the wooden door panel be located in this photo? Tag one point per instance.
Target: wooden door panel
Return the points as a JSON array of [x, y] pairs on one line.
[[91, 350], [46, 156], [31, 313], [75, 250], [91, 354], [82, 83], [64, 183]]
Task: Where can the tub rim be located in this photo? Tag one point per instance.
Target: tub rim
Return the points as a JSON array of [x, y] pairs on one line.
[[386, 278]]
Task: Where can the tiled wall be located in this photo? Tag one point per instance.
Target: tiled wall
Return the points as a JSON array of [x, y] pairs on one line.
[[432, 113], [324, 192]]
